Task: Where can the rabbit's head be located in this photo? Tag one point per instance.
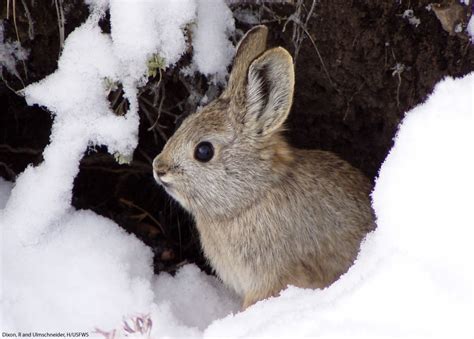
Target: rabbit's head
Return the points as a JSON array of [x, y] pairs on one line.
[[225, 156]]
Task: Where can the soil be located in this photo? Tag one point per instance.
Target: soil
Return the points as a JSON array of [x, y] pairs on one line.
[[366, 67]]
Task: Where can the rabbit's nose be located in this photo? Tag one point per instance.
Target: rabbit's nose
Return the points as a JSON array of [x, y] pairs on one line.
[[159, 167]]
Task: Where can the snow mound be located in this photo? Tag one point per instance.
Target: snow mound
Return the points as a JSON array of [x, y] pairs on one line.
[[88, 273], [202, 292]]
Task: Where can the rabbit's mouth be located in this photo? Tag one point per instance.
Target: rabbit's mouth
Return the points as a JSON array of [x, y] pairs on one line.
[[160, 181], [164, 183], [170, 189], [167, 186]]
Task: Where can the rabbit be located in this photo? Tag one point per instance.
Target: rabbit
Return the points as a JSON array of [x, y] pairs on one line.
[[268, 215]]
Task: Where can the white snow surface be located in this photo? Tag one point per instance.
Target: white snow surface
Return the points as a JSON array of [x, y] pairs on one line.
[[212, 49], [76, 95], [5, 190], [412, 19], [470, 28], [155, 26], [68, 270]]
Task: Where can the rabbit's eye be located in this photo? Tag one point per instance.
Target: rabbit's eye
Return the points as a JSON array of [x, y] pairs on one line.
[[204, 151]]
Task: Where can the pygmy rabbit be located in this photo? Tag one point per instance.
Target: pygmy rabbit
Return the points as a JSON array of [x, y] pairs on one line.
[[268, 215]]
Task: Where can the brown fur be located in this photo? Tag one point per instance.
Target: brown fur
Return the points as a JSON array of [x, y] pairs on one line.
[[268, 215]]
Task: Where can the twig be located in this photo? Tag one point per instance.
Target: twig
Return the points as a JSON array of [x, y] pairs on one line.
[[321, 59], [150, 120], [148, 116], [26, 150], [398, 70], [19, 42], [11, 88], [143, 153], [350, 100], [156, 89], [94, 161], [11, 173], [128, 169], [310, 13], [163, 110], [157, 127], [120, 110], [116, 97], [131, 204], [159, 110], [298, 38], [60, 14], [31, 31]]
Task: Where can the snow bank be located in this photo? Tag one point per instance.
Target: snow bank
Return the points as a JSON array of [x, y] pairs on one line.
[[75, 280], [195, 298], [90, 274]]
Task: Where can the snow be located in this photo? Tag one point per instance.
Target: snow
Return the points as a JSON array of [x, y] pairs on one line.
[[75, 94], [5, 190], [68, 270], [206, 293], [10, 53], [246, 16], [75, 278], [142, 28], [212, 49], [470, 28], [90, 274], [410, 16]]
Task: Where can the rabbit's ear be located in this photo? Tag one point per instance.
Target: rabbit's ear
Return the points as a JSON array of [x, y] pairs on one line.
[[269, 91], [252, 44]]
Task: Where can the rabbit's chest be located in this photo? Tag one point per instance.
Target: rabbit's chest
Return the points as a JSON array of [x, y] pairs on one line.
[[233, 253]]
